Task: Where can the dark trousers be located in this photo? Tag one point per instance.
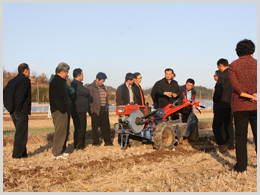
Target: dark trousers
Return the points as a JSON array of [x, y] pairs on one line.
[[80, 124], [61, 123], [224, 117], [20, 121], [241, 119], [101, 121]]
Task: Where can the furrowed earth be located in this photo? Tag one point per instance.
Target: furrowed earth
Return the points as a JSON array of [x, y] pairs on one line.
[[189, 167]]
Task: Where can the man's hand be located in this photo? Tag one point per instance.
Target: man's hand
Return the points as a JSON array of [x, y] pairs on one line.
[[254, 99], [174, 95], [169, 94]]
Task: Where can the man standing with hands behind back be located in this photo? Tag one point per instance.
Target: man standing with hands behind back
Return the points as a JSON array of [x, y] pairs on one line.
[[17, 100], [222, 109], [60, 110], [79, 107]]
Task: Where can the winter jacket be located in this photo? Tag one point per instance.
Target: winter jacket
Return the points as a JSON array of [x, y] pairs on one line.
[[17, 94], [58, 96], [70, 90], [122, 95], [243, 78], [184, 94], [81, 98], [137, 94], [165, 86], [95, 105], [223, 92]]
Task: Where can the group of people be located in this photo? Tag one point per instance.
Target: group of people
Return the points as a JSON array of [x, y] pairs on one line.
[[165, 91], [76, 100], [232, 80]]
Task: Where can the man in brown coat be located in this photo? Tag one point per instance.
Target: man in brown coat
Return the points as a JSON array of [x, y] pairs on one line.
[[99, 109]]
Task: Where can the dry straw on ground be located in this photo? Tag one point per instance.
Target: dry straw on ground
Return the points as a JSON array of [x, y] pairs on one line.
[[190, 167]]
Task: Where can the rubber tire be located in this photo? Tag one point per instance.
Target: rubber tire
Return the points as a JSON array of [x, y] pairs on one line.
[[165, 130]]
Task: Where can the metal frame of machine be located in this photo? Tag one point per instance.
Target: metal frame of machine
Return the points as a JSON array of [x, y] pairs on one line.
[[135, 121]]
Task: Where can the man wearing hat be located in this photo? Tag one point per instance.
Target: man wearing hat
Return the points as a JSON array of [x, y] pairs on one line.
[[166, 90]]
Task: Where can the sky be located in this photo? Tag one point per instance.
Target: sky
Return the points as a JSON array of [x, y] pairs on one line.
[[118, 38]]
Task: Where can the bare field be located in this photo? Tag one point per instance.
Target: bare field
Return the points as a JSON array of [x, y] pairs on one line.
[[189, 167], [41, 120]]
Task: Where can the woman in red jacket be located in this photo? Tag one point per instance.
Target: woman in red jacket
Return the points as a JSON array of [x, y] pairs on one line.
[[243, 78]]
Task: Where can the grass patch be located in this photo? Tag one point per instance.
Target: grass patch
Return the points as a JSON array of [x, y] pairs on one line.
[[206, 120], [45, 130]]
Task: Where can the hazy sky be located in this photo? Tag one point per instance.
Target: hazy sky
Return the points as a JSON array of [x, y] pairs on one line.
[[129, 37]]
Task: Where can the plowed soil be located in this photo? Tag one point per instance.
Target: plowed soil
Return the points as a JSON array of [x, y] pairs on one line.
[[189, 167]]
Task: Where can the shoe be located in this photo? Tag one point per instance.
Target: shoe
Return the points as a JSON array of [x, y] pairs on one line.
[[235, 169], [230, 149], [65, 154], [59, 157], [221, 148]]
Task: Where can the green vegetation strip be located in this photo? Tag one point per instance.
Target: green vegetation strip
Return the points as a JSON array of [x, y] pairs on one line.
[[44, 130], [51, 130], [206, 120]]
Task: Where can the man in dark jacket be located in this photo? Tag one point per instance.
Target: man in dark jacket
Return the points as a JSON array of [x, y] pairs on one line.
[[17, 100], [187, 92], [60, 110], [167, 90], [79, 107], [124, 93], [154, 96], [222, 109], [137, 89], [99, 109]]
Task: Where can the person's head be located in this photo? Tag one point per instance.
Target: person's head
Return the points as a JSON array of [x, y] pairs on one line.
[[173, 75], [24, 69], [134, 80], [245, 47], [217, 73], [169, 74], [189, 84], [138, 77], [78, 74], [100, 78], [62, 70], [129, 78], [222, 64]]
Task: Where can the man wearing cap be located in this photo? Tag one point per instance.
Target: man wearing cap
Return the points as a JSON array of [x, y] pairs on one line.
[[167, 90]]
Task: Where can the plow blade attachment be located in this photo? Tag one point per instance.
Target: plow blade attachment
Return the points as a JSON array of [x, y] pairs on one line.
[[191, 124]]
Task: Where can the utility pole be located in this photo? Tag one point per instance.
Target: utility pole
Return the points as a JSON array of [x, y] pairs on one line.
[[38, 92]]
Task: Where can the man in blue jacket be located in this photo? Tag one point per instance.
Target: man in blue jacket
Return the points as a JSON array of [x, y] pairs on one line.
[[79, 107]]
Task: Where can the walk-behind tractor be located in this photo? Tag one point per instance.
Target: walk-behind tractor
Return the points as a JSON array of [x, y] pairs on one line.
[[156, 126]]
